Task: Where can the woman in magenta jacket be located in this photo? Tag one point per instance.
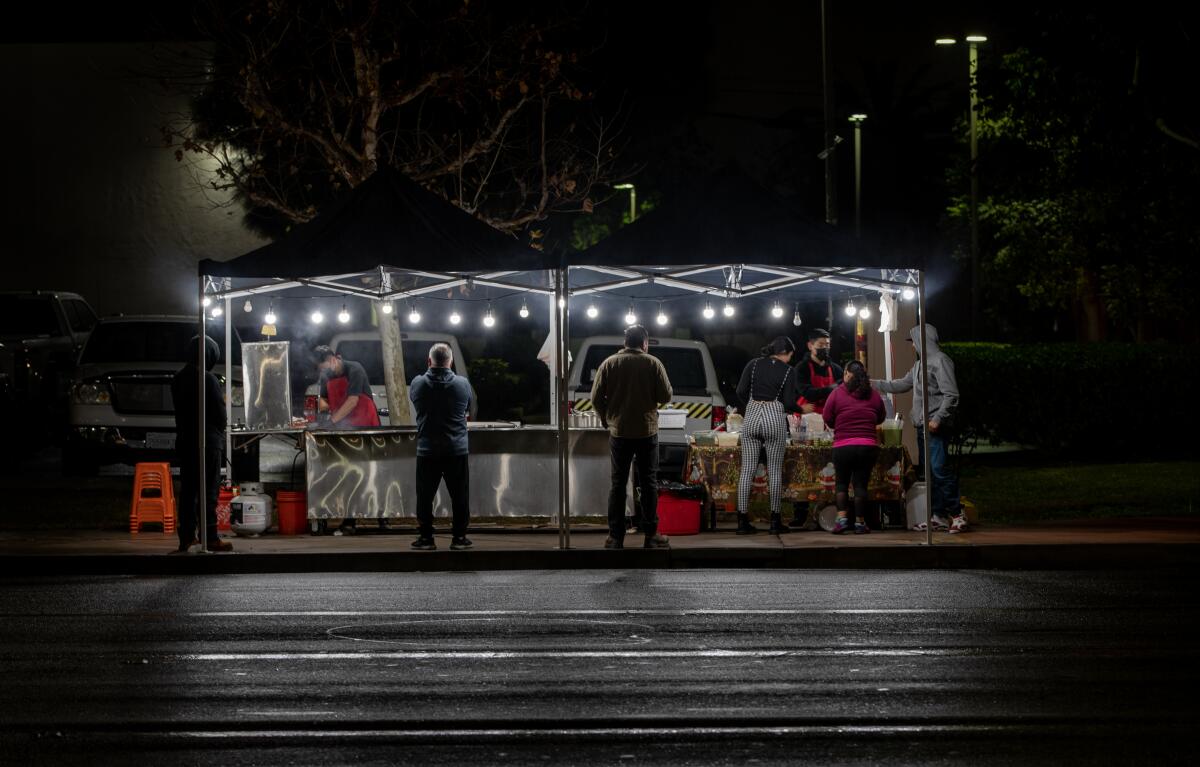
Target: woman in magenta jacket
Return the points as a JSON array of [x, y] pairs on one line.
[[853, 411]]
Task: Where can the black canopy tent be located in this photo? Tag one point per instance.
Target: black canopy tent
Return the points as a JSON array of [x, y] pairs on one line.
[[727, 224]]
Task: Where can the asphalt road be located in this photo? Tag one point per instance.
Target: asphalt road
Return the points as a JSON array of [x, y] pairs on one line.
[[637, 667]]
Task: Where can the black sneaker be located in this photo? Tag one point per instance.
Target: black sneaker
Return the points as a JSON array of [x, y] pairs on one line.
[[614, 543], [424, 544], [460, 543], [656, 542]]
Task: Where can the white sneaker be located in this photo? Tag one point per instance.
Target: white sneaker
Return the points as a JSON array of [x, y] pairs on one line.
[[959, 525], [939, 525]]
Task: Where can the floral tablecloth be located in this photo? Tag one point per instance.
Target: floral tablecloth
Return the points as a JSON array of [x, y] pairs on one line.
[[807, 473]]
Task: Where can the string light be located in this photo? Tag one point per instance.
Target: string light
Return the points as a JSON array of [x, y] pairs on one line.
[[270, 318], [630, 317], [908, 294], [796, 317], [316, 317], [662, 318], [562, 303], [776, 310], [247, 307], [343, 315], [708, 311], [728, 309], [414, 316], [387, 307], [455, 317], [489, 319], [850, 309], [592, 312], [864, 313], [217, 311], [524, 310], [206, 302]]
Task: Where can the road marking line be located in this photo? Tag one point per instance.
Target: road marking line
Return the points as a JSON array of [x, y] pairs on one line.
[[534, 654], [544, 613]]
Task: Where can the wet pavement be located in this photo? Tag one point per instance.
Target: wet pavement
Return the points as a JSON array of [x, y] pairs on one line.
[[596, 667]]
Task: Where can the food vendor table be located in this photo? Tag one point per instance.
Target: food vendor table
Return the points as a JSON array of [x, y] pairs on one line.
[[807, 474]]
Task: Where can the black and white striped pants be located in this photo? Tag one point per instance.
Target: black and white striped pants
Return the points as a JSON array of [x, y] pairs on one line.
[[764, 428]]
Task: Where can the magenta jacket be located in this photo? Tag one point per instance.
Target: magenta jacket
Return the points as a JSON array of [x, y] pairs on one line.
[[853, 420]]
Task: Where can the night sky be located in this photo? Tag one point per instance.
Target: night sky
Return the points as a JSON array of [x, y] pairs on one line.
[[704, 85]]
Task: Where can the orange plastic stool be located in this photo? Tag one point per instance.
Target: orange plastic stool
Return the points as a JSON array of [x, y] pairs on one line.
[[153, 497]]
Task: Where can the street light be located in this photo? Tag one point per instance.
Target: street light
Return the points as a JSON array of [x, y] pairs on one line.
[[857, 120], [973, 42], [632, 200]]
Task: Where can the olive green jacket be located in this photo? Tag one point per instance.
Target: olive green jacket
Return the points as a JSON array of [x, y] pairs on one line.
[[629, 387]]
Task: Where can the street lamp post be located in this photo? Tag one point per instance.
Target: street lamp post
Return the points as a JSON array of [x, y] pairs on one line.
[[857, 120], [973, 42], [632, 200]]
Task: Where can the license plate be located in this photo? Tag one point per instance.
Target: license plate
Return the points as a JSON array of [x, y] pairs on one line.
[[158, 440]]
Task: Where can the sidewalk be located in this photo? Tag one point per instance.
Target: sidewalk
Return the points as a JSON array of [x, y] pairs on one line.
[[1085, 544]]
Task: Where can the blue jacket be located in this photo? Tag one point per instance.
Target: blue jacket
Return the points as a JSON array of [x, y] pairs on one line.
[[441, 400]]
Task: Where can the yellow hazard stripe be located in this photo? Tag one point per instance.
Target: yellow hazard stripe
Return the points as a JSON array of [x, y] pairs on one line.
[[696, 410]]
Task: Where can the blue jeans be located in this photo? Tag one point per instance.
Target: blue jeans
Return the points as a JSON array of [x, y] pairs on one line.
[[943, 483]]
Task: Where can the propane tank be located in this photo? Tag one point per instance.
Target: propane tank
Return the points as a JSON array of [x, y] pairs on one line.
[[250, 512]]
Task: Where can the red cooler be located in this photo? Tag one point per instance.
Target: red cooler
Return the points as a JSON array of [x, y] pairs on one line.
[[678, 515]]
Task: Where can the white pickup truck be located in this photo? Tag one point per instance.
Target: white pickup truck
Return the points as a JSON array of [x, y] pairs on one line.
[[365, 348], [693, 383]]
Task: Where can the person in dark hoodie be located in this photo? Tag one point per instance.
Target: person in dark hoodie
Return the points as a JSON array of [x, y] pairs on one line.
[[441, 401], [185, 394], [943, 402]]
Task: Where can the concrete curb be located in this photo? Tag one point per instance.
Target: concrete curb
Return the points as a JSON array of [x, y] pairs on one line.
[[908, 557]]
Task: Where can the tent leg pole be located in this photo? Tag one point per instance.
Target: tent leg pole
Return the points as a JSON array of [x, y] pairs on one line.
[[201, 468], [928, 472], [561, 346]]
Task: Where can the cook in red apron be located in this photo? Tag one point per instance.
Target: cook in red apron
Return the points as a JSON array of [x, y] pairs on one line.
[[342, 380], [820, 379]]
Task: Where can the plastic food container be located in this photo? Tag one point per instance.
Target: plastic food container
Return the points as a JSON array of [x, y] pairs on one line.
[[672, 419]]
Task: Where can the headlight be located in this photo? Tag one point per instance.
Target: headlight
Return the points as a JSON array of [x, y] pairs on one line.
[[236, 397], [90, 394]]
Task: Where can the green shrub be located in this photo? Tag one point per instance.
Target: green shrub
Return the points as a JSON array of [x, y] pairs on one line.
[[1079, 398]]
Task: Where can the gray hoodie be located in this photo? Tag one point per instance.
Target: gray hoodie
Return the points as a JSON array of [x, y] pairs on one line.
[[943, 389]]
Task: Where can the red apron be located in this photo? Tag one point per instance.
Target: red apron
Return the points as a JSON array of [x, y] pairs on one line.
[[364, 412], [818, 382]]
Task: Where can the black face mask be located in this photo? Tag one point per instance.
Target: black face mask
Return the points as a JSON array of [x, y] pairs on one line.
[[822, 355]]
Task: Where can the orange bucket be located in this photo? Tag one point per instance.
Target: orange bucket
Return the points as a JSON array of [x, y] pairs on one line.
[[292, 507]]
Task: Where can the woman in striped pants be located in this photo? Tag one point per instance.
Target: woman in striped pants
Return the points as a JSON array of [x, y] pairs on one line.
[[769, 392]]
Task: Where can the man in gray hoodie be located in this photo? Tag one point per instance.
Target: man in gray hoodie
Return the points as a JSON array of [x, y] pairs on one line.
[[943, 402]]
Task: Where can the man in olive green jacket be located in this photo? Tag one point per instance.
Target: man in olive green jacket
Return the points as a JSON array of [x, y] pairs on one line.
[[629, 387]]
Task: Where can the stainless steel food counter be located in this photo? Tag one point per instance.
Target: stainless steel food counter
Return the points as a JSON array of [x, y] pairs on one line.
[[371, 473]]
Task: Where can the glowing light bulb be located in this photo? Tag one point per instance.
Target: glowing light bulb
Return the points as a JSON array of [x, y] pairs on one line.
[[728, 310], [908, 294], [387, 307], [562, 303], [217, 311], [270, 318], [850, 310], [489, 319], [247, 307], [708, 312], [414, 316], [864, 313], [206, 302], [455, 317], [592, 312], [343, 315], [776, 310], [630, 317], [317, 317], [796, 319], [524, 311], [662, 318]]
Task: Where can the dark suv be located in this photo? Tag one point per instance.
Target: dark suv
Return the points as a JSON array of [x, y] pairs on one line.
[[41, 333]]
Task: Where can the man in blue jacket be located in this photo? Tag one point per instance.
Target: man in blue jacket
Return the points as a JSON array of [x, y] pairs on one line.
[[441, 400]]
